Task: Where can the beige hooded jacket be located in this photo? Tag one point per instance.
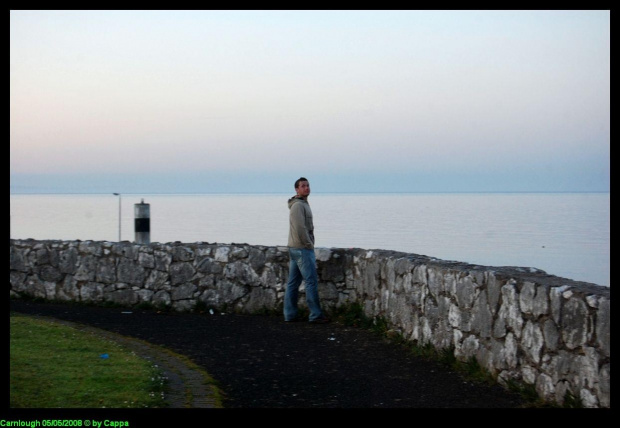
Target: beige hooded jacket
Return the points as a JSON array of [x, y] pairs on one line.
[[301, 231]]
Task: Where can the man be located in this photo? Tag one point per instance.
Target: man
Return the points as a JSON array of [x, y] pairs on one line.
[[303, 261]]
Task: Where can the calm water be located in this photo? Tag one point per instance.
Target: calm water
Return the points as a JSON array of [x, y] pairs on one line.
[[564, 234]]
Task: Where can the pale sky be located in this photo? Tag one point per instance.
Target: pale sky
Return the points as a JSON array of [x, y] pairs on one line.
[[235, 101]]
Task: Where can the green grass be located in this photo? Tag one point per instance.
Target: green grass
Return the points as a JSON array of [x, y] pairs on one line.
[[54, 365]]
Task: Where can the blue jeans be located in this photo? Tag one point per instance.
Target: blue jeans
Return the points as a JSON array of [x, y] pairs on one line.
[[302, 267]]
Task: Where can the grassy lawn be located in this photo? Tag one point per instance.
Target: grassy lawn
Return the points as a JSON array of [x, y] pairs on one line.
[[54, 365]]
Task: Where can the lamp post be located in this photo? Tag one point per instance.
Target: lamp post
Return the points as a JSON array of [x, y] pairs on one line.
[[119, 215]]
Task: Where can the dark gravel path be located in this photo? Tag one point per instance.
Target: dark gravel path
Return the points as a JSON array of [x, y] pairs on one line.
[[262, 362]]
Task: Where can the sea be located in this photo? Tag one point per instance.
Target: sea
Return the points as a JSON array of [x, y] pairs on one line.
[[563, 234]]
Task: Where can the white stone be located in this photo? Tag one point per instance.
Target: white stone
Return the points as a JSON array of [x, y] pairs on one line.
[[221, 254], [322, 254], [529, 374], [588, 399]]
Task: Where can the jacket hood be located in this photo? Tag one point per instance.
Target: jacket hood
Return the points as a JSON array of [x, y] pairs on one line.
[[294, 200]]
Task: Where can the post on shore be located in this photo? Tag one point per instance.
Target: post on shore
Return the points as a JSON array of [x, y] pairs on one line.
[[142, 223]]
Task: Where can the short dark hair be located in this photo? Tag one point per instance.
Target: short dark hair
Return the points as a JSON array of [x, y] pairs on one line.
[[299, 180]]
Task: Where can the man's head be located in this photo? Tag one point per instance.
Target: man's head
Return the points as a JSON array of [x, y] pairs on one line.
[[302, 187]]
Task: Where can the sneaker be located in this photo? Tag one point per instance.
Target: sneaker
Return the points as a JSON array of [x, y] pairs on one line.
[[321, 320], [296, 319]]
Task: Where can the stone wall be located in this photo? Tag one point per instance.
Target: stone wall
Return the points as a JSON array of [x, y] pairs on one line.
[[519, 323]]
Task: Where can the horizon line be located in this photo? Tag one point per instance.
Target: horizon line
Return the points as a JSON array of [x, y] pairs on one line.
[[323, 193]]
